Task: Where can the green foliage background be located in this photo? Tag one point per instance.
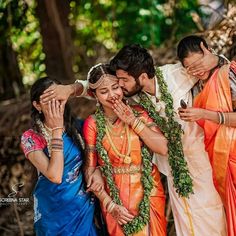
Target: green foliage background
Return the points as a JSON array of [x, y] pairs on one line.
[[107, 24]]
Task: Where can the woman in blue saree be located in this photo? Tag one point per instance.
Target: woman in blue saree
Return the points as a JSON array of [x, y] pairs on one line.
[[61, 204]]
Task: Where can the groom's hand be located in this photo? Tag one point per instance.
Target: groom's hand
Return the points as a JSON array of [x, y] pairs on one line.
[[58, 92]]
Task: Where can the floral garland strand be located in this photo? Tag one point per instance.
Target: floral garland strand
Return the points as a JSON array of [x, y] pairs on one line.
[[143, 217], [172, 131]]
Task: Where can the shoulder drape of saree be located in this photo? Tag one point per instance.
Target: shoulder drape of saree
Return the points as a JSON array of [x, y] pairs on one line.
[[220, 141]]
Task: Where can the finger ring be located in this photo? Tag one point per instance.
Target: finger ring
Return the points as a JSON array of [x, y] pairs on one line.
[[128, 113]]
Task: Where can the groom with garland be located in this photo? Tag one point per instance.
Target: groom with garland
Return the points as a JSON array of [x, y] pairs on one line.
[[196, 206]]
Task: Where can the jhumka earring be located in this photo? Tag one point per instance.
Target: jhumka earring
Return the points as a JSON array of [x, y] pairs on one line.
[[98, 103], [40, 112]]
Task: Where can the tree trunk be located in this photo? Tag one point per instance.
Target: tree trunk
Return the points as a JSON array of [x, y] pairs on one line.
[[57, 42], [10, 77]]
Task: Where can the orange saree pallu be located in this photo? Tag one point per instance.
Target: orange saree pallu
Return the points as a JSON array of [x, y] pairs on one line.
[[220, 140], [129, 184]]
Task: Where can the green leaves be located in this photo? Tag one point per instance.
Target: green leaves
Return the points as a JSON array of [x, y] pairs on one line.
[[147, 180], [172, 131]]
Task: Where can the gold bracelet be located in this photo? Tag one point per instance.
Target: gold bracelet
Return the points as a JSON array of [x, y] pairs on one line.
[[57, 139], [110, 206], [56, 150], [57, 128], [136, 121], [223, 117], [220, 118], [57, 146], [105, 202], [139, 128]]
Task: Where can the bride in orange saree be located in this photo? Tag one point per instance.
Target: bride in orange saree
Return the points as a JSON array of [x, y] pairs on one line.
[[118, 139], [214, 110]]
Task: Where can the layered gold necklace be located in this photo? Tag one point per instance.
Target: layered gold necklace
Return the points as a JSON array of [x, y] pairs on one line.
[[125, 130]]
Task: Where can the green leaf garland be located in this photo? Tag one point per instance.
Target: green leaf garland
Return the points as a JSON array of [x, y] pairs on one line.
[[143, 217], [173, 132]]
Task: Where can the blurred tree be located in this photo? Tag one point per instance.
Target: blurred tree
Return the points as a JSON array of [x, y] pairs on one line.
[[118, 22], [56, 34], [10, 76], [21, 57]]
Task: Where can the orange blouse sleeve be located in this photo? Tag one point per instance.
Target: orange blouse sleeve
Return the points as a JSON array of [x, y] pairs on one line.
[[90, 134]]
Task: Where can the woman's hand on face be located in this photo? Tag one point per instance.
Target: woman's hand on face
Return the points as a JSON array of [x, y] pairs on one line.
[[124, 112], [54, 113], [121, 214], [191, 114], [206, 63], [58, 92], [95, 182]]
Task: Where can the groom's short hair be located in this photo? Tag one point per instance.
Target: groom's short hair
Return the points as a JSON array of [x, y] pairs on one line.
[[135, 60]]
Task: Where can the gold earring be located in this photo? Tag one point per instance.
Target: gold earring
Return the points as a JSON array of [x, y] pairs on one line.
[[98, 103]]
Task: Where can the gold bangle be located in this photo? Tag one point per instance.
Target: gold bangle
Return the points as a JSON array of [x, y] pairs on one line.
[[56, 150], [57, 128], [220, 118], [105, 202], [223, 117], [110, 206], [57, 139], [139, 128], [136, 121], [57, 146]]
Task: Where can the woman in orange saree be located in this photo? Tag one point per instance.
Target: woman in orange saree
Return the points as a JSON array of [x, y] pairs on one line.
[[214, 112], [131, 202]]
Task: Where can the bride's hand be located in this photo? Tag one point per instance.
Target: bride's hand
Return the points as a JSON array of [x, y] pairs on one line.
[[124, 112], [121, 214], [95, 182]]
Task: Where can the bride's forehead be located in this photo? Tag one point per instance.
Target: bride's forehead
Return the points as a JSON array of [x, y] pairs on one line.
[[108, 82]]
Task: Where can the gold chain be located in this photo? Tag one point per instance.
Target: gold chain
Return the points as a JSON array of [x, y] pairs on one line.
[[110, 127], [126, 157]]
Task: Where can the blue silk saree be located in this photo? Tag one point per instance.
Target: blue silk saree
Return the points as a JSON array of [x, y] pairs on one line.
[[61, 209]]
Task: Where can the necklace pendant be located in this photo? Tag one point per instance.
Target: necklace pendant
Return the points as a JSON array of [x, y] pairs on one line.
[[127, 160]]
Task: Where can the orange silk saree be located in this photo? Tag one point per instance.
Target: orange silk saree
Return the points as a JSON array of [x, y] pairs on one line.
[[129, 185], [220, 140]]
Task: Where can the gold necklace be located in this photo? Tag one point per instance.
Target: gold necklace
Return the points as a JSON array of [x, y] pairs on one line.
[[110, 129], [111, 119], [126, 157]]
